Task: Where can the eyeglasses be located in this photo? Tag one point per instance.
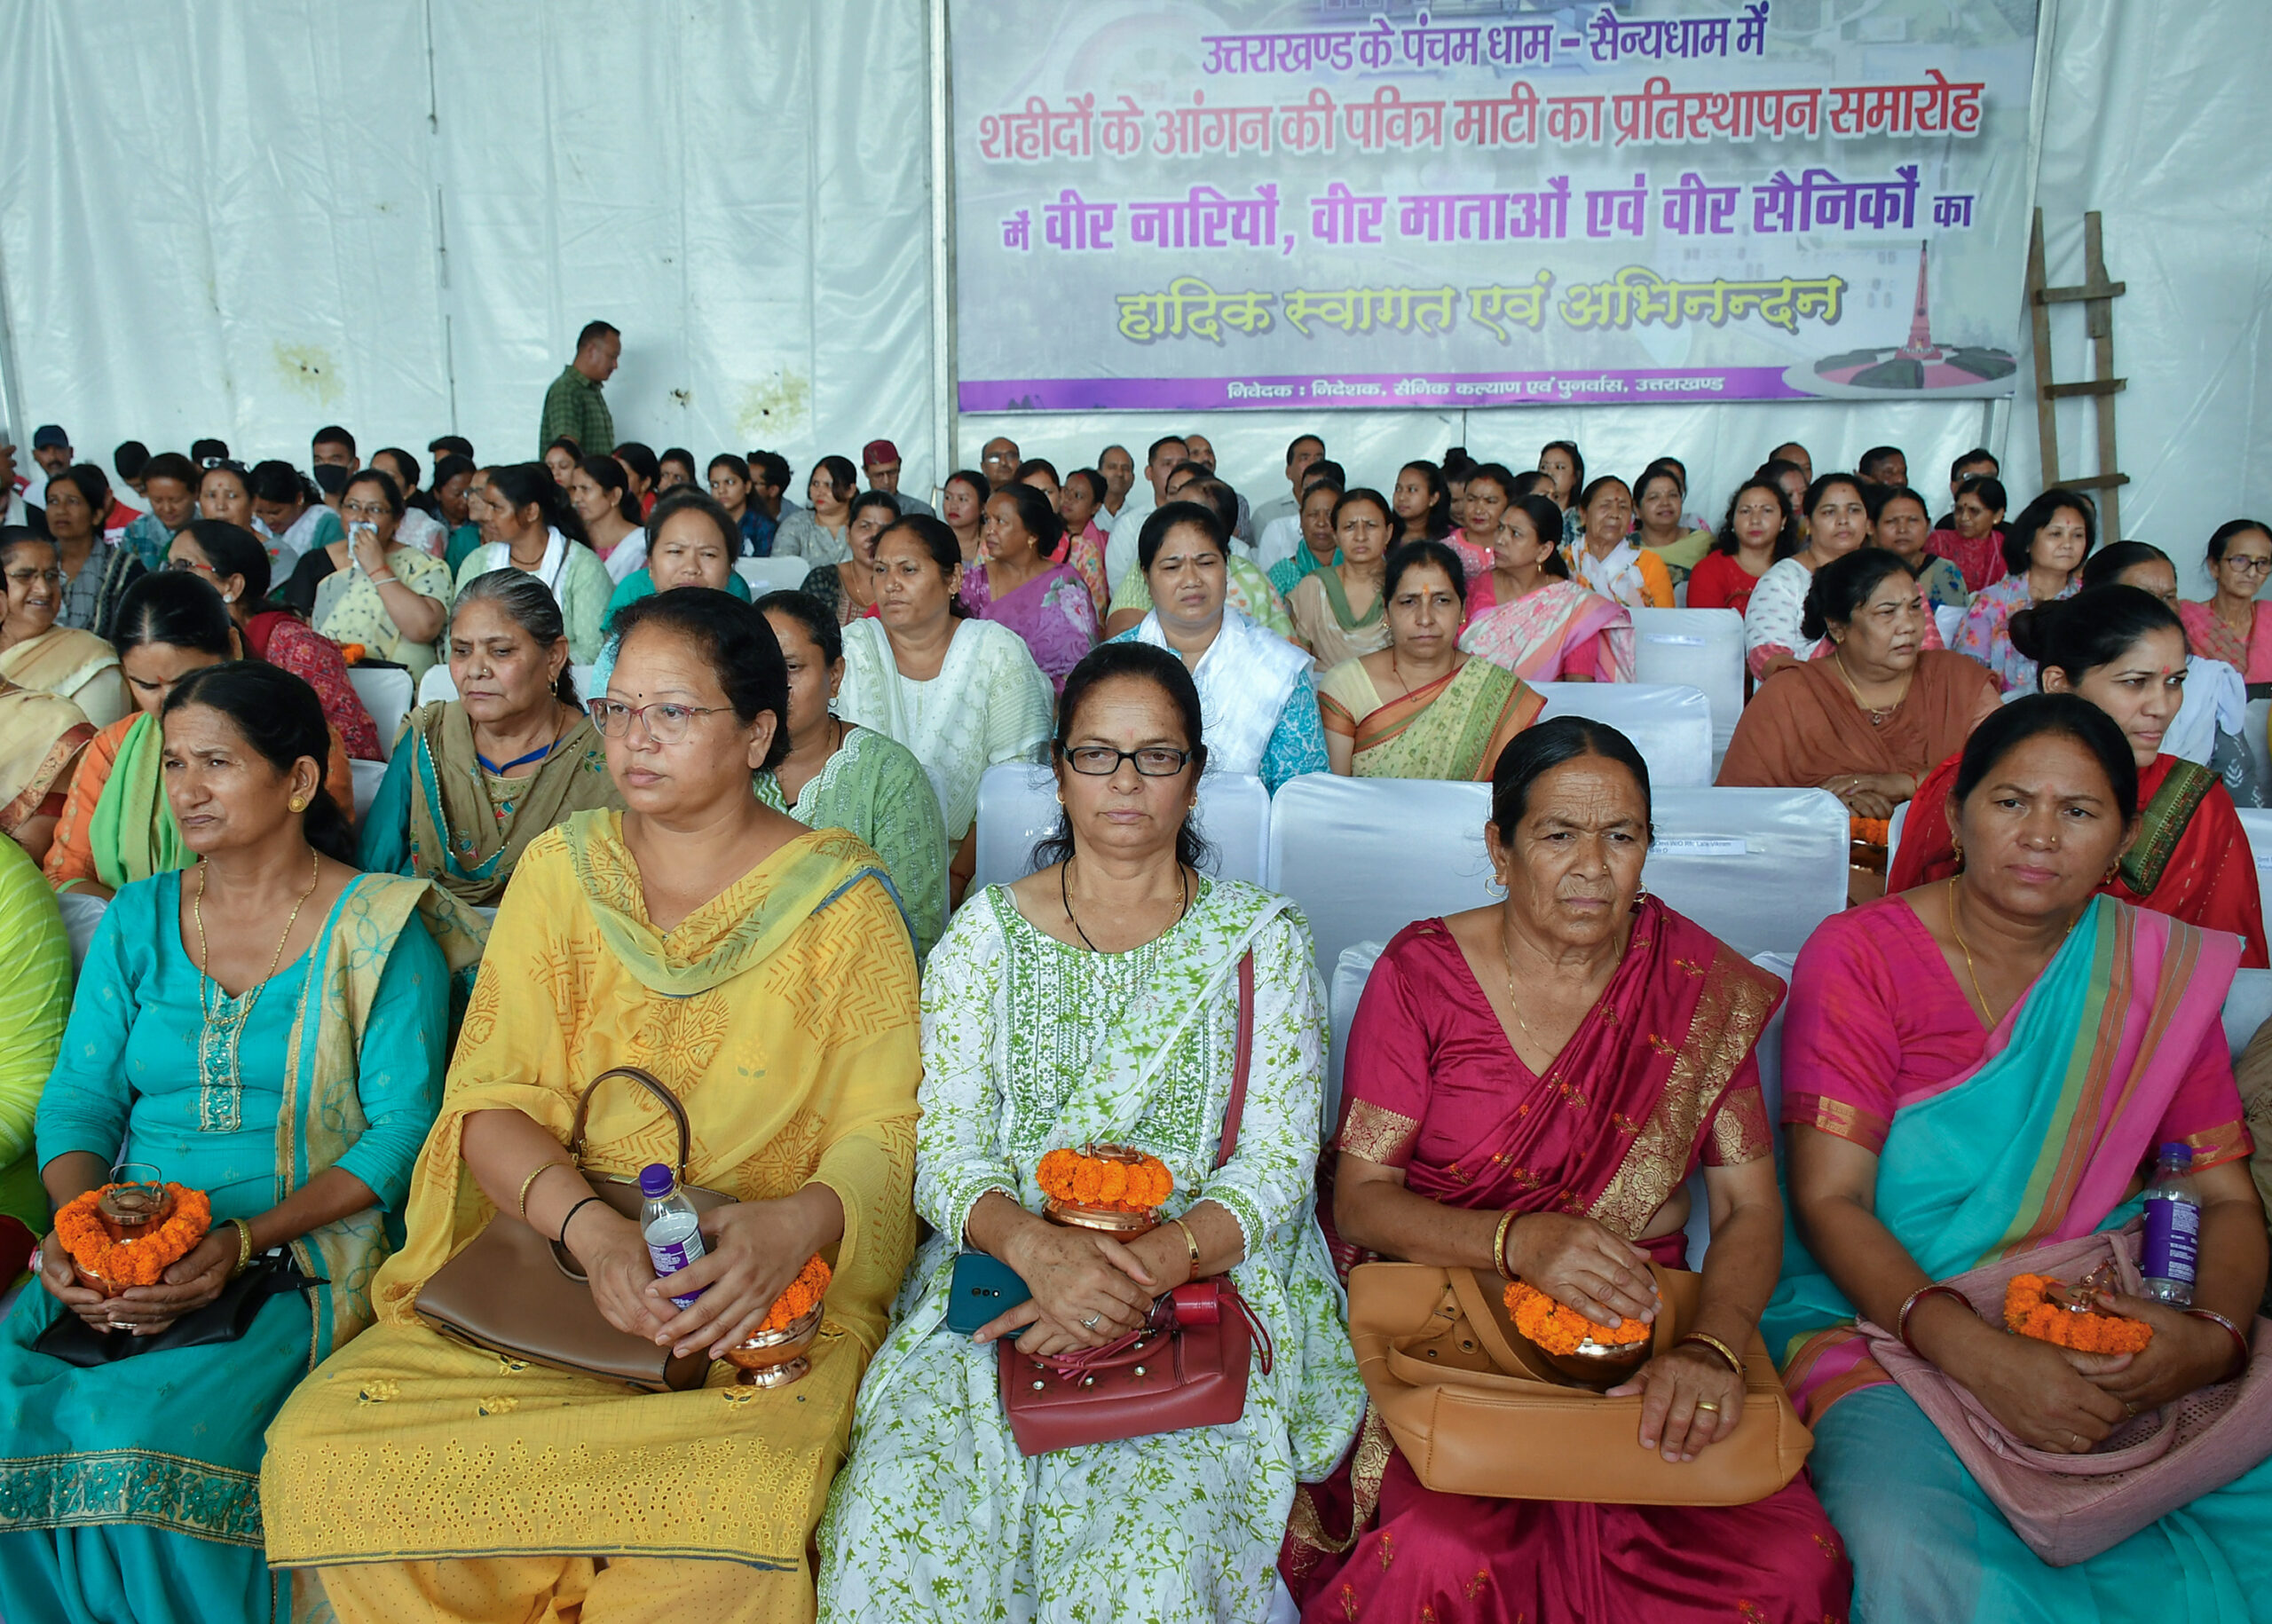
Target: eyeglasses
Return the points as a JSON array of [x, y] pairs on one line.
[[666, 724], [191, 564], [1102, 761], [373, 511], [25, 577], [2247, 565]]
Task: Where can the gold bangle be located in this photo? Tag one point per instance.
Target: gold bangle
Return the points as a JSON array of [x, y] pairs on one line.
[[1704, 1339], [1499, 1246], [528, 1182], [1190, 1240], [244, 1247]]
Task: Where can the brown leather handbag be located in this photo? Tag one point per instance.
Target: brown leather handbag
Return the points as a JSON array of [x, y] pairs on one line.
[[1185, 1367], [514, 1291], [1476, 1411]]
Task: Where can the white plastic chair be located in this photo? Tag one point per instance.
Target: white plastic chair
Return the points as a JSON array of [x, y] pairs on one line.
[[2248, 1005], [2256, 822], [1671, 726], [766, 575], [1701, 648], [369, 776], [81, 915], [1364, 857], [1017, 806], [1894, 826], [2260, 746], [438, 684], [386, 694]]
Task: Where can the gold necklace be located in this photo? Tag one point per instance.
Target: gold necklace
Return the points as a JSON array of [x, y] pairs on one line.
[[216, 1108], [1957, 931], [1877, 717]]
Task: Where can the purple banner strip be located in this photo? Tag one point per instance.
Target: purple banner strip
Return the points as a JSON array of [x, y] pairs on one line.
[[1313, 391]]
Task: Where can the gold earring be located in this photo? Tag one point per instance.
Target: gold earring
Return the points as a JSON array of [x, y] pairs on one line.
[[299, 803]]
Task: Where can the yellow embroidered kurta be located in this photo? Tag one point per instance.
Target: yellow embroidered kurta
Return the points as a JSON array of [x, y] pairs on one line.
[[783, 1014]]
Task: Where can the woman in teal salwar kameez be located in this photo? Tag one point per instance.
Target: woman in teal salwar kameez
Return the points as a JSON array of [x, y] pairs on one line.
[[297, 1100]]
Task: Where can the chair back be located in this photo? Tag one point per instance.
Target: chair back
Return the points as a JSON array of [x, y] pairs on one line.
[[1017, 808], [1671, 726], [1698, 648], [763, 575], [1364, 857], [386, 694], [2256, 822]]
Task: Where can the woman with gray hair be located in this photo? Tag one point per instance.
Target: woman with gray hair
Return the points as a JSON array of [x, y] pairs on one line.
[[476, 778]]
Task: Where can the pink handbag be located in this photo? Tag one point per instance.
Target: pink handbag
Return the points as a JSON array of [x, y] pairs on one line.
[[2068, 1508]]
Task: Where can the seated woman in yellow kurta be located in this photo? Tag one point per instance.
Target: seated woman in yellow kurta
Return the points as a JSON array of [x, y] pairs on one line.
[[759, 969]]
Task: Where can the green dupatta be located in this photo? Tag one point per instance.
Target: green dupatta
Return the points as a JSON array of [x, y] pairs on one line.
[[460, 834], [133, 833], [811, 876], [1337, 599], [323, 1109]]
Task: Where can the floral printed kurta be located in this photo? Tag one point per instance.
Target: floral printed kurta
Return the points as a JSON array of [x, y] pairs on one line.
[[1987, 633], [1030, 1045]]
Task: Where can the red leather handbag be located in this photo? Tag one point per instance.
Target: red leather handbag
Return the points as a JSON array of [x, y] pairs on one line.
[[1185, 1367]]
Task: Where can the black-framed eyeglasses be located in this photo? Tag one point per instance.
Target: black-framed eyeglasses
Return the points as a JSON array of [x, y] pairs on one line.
[[666, 724], [1102, 761]]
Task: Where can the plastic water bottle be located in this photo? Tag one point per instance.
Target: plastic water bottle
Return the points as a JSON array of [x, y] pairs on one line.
[[2172, 1243], [673, 1228]]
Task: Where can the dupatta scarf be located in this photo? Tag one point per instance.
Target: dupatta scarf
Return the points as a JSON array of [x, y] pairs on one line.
[[1244, 680], [1531, 635], [323, 1115], [2213, 639], [464, 838], [59, 659], [1453, 728], [1803, 724], [2039, 1142], [40, 736], [133, 834]]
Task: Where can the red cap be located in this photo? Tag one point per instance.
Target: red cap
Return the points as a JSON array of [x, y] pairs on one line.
[[875, 453]]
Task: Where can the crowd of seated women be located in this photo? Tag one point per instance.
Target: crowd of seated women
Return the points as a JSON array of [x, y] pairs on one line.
[[742, 862]]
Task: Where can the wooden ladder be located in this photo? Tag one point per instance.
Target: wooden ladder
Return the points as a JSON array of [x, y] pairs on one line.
[[2096, 295]]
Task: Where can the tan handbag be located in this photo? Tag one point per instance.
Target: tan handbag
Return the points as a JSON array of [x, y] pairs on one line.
[[514, 1291], [1476, 1412]]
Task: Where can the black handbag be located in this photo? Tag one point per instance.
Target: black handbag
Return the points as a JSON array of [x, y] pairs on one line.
[[225, 1319]]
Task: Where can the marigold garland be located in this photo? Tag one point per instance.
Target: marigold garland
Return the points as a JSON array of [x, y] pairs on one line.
[[1870, 830], [141, 1260], [2029, 1310], [1104, 1176], [798, 1297], [1560, 1329]]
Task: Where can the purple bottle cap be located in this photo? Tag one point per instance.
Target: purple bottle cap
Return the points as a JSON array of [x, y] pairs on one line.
[[655, 1181], [2179, 1153]]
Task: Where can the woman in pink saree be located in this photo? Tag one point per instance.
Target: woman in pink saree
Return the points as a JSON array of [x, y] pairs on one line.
[[1975, 1069], [1548, 1136], [1526, 614]]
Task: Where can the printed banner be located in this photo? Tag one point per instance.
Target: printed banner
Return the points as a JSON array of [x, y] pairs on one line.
[[1264, 204]]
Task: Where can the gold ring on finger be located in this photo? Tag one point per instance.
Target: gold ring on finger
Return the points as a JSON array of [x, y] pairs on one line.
[[2077, 1437], [1707, 1408]]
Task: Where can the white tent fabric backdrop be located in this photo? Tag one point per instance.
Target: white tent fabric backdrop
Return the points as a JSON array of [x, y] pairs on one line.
[[249, 218]]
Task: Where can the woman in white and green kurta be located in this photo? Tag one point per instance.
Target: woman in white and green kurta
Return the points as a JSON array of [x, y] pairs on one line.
[[1097, 1001]]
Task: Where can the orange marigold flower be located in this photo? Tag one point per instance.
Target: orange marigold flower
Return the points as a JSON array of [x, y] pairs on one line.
[[1106, 1175], [1560, 1329], [2029, 1310], [140, 1260], [799, 1295]]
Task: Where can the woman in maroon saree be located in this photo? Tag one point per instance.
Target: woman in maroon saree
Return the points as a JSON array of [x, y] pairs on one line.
[[1580, 1110]]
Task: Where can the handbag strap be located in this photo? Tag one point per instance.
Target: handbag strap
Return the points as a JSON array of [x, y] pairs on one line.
[[1126, 1348], [1237, 1108], [653, 1086]]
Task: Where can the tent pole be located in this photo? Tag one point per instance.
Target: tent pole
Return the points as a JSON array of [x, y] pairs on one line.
[[942, 253]]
